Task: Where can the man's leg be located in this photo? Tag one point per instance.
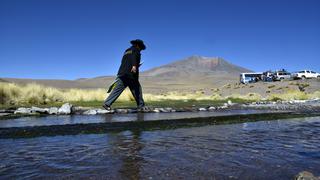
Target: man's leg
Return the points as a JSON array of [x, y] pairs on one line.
[[115, 93], [136, 91]]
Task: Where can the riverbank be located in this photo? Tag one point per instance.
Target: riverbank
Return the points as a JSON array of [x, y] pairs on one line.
[[195, 106], [17, 95]]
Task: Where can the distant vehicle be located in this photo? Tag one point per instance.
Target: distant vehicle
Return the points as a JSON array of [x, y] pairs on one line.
[[246, 78], [268, 76], [282, 75], [304, 74]]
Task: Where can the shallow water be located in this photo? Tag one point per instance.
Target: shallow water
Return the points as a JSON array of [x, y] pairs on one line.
[[80, 119], [257, 150]]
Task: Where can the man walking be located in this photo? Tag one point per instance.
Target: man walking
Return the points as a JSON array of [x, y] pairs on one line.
[[128, 76]]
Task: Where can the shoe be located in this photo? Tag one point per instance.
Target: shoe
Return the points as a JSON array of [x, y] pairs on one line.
[[106, 107], [143, 109]]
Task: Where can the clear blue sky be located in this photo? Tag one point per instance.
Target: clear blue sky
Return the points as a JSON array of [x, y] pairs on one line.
[[70, 39]]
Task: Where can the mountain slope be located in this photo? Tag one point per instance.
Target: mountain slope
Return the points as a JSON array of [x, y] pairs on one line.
[[189, 74]]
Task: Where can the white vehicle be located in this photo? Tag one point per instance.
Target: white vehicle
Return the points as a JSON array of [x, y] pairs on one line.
[[304, 74], [250, 77], [281, 75]]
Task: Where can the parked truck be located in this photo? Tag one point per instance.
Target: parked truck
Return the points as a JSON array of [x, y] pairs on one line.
[[305, 74]]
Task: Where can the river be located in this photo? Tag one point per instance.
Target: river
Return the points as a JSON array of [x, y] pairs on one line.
[[277, 149]]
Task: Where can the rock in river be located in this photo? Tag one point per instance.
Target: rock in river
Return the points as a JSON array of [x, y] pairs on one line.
[[305, 175], [65, 109]]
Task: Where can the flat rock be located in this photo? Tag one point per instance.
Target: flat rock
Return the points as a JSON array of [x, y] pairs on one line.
[[165, 110], [90, 112], [211, 108], [121, 111], [23, 110], [4, 114], [53, 110], [103, 111]]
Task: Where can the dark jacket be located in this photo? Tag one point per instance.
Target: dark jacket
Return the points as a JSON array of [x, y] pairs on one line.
[[131, 57]]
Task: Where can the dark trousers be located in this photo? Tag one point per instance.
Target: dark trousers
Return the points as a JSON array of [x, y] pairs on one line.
[[120, 86]]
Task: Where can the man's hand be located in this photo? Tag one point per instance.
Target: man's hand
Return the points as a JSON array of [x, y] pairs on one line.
[[134, 69]]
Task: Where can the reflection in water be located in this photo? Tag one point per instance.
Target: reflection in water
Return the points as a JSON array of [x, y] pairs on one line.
[[255, 150], [127, 146]]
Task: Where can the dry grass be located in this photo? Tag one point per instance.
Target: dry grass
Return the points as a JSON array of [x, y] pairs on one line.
[[294, 95], [248, 97], [34, 94]]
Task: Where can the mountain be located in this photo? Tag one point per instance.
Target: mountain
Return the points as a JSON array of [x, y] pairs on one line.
[[196, 65], [192, 73], [1, 80]]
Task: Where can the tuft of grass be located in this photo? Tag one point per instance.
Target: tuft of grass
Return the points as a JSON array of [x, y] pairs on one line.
[[247, 97], [289, 95], [302, 86]]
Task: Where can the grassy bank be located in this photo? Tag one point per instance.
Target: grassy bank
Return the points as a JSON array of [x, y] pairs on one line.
[[13, 95]]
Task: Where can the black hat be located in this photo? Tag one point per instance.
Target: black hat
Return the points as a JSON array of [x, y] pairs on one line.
[[138, 42]]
